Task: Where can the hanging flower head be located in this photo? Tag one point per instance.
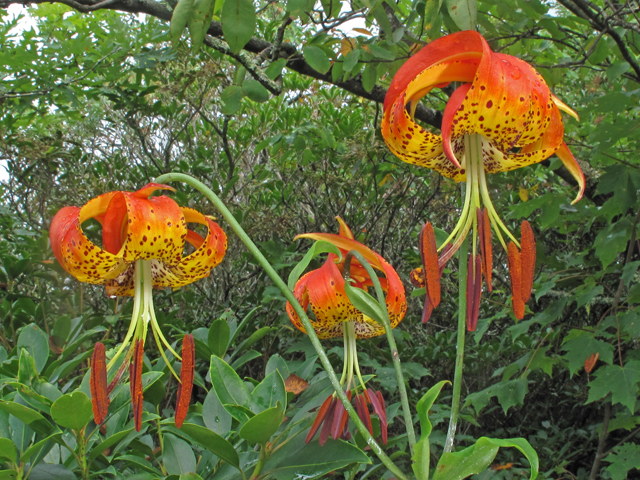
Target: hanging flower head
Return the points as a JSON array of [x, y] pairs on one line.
[[335, 316], [500, 118], [143, 241]]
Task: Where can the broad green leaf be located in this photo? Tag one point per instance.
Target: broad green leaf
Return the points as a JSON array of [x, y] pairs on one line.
[[43, 445], [369, 77], [181, 14], [240, 413], [28, 416], [351, 59], [431, 11], [580, 345], [246, 357], [8, 451], [8, 474], [177, 455], [269, 392], [212, 442], [476, 458], [623, 458], [317, 58], [72, 410], [253, 338], [218, 338], [238, 23], [232, 99], [421, 452], [199, 21], [190, 476], [464, 13], [228, 385], [26, 367], [108, 443], [46, 471], [617, 69], [381, 52], [316, 249], [274, 70], [36, 342], [296, 459], [214, 415], [255, 91], [260, 428], [621, 382]]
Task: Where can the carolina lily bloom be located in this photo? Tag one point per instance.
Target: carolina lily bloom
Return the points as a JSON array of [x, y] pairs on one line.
[[335, 316], [500, 118], [143, 241]]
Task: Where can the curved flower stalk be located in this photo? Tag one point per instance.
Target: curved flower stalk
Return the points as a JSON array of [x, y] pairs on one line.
[[323, 290], [143, 242], [500, 118]]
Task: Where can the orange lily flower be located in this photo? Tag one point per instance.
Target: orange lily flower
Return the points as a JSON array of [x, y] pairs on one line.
[[335, 316], [143, 241], [500, 118]]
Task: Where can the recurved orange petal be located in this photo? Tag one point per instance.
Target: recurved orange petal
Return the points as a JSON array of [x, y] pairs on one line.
[[346, 244], [570, 163]]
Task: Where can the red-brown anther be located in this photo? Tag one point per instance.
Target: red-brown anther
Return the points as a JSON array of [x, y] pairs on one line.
[[416, 277], [379, 408], [515, 272], [328, 422], [486, 249], [135, 379], [322, 412], [98, 382], [429, 255], [186, 379], [427, 310], [363, 412], [474, 291], [528, 259], [340, 418]]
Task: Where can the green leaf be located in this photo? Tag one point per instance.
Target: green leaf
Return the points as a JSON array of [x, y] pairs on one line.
[[240, 413], [274, 70], [365, 303], [45, 471], [297, 460], [253, 338], [623, 458], [190, 476], [617, 69], [269, 392], [218, 338], [260, 428], [108, 443], [212, 442], [36, 342], [246, 357], [26, 367], [351, 59], [41, 447], [228, 385], [580, 345], [381, 52], [316, 249], [28, 416], [238, 23], [621, 382], [317, 58], [178, 456], [214, 415], [8, 451], [476, 458], [231, 99], [179, 19], [72, 410], [8, 474], [421, 452], [464, 13], [255, 91], [369, 77], [199, 21]]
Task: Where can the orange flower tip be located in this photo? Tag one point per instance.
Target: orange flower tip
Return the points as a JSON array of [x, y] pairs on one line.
[[98, 384], [527, 259], [149, 188], [186, 379], [474, 291], [322, 413]]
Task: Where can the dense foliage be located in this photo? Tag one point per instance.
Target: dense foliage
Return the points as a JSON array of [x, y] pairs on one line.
[[95, 98]]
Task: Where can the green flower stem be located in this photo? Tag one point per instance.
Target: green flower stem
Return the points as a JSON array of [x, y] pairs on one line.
[[462, 331], [315, 341], [404, 399]]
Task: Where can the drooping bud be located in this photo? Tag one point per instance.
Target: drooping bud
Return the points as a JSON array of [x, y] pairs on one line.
[[486, 249], [340, 418], [429, 255], [474, 291], [515, 272], [135, 382], [98, 382], [377, 401], [186, 379], [328, 422], [363, 412], [528, 259]]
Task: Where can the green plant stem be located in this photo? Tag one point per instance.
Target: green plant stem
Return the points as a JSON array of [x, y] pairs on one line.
[[462, 331], [402, 388], [260, 464], [81, 457], [315, 341]]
